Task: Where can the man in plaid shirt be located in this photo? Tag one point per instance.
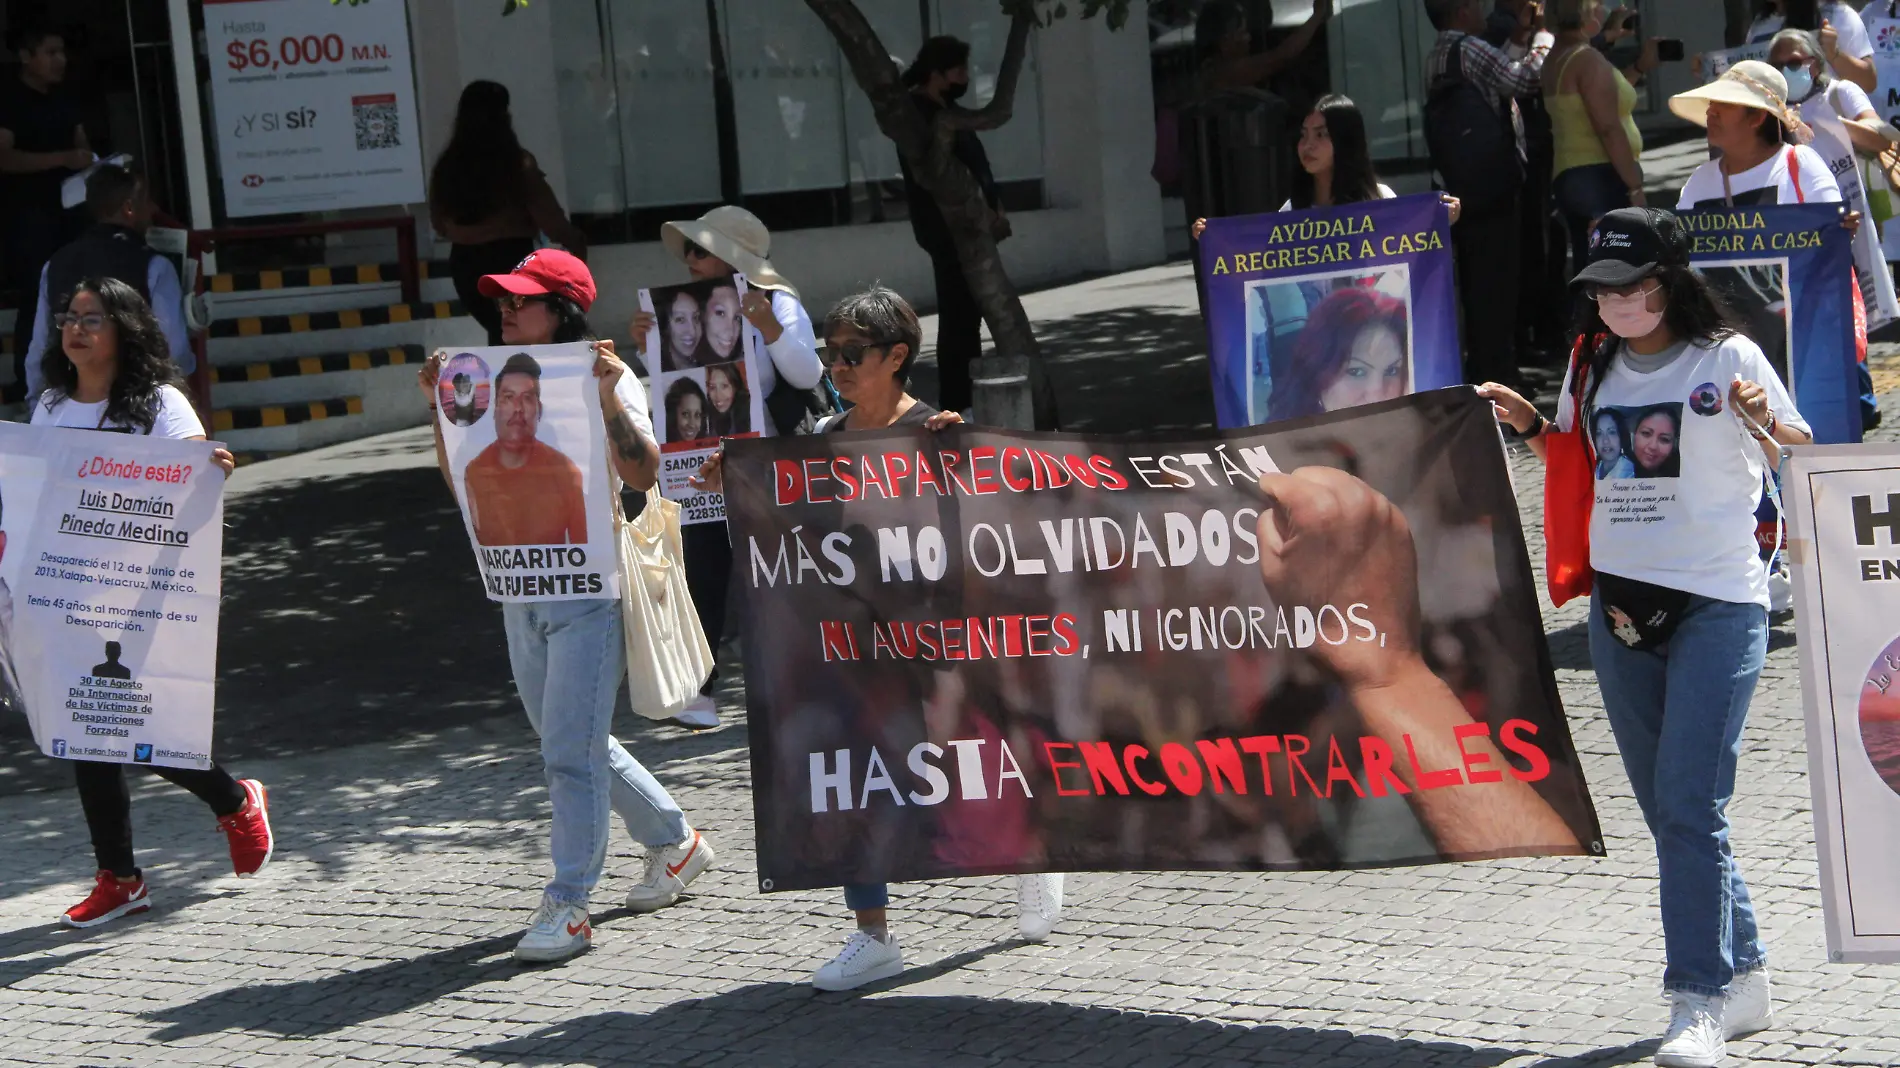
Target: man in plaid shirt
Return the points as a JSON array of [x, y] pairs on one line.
[[1487, 240]]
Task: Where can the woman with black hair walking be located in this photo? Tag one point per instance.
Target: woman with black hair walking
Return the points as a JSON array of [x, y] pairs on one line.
[[568, 656], [1679, 615], [110, 368], [487, 195]]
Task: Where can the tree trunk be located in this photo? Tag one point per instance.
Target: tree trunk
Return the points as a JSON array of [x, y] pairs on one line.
[[927, 151]]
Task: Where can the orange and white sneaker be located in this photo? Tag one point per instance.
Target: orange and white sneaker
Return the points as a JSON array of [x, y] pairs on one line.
[[248, 830], [557, 932], [670, 869], [109, 900]]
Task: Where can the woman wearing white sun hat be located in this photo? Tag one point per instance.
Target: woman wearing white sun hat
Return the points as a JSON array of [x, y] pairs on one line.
[[730, 240]]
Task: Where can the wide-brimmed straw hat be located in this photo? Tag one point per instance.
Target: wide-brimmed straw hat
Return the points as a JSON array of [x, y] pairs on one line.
[[1751, 84], [734, 235]]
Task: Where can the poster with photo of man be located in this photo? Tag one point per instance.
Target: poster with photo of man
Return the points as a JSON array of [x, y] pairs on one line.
[[523, 433], [701, 361]]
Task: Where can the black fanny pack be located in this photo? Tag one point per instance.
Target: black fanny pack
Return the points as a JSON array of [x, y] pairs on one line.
[[1641, 615]]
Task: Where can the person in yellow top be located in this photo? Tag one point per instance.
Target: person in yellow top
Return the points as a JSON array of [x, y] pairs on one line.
[[1598, 148], [522, 491]]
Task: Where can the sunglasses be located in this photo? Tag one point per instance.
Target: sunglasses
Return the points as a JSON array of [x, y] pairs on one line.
[[91, 322], [694, 252], [849, 355], [516, 301]]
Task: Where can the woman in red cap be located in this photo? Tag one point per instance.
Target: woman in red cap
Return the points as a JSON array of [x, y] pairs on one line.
[[568, 657]]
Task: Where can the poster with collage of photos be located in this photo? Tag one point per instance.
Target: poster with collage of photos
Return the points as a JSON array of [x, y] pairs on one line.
[[701, 360]]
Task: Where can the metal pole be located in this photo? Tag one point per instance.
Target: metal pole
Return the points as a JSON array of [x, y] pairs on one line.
[[191, 127]]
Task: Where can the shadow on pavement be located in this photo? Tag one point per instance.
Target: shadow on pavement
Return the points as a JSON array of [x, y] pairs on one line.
[[787, 1024]]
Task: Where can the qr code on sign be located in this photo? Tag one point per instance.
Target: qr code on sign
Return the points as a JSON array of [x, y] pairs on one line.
[[376, 125]]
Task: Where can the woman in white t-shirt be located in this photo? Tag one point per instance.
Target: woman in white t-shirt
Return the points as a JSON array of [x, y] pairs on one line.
[[1679, 614], [110, 369], [1843, 38], [1760, 154], [1335, 162]]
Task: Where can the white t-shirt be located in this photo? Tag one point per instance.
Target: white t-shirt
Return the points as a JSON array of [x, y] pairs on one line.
[[633, 397], [1850, 32], [1766, 183], [175, 418], [1677, 507], [1385, 193]]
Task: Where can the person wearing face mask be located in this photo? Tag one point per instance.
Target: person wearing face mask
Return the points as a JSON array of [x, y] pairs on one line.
[[720, 243], [1758, 141], [1679, 614], [1840, 34]]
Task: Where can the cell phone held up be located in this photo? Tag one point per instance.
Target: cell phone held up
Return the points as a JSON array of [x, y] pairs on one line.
[[1668, 50]]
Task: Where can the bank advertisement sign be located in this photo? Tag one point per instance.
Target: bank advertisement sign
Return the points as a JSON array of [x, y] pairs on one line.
[[315, 105]]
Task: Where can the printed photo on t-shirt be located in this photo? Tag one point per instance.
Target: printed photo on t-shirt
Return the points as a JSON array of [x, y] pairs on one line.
[[1328, 341], [1637, 441], [1756, 292]]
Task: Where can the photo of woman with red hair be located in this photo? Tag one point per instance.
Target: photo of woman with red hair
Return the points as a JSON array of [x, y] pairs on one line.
[[1353, 349]]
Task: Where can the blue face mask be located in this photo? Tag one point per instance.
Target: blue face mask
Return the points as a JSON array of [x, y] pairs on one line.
[[1800, 82]]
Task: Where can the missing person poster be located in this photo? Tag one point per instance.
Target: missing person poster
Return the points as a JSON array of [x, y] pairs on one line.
[[702, 359], [1717, 61], [1844, 539], [1784, 272], [1312, 645], [1316, 311], [528, 450], [110, 551]]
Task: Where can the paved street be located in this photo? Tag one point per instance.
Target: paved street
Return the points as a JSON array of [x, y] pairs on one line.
[[364, 678]]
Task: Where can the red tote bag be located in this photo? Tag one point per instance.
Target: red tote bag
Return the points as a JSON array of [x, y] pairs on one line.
[[1569, 492]]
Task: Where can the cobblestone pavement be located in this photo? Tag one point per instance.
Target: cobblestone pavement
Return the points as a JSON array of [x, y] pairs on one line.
[[413, 848]]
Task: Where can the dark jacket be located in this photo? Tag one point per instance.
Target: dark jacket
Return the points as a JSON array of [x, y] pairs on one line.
[[108, 250]]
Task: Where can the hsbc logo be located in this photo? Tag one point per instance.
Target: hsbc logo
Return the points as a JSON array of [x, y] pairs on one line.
[[252, 181]]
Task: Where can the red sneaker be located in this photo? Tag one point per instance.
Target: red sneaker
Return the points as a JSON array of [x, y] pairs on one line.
[[249, 831], [109, 900]]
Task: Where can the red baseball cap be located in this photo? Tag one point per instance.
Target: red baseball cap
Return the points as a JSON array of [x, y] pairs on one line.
[[547, 270]]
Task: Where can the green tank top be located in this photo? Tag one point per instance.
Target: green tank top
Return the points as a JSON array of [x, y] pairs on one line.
[[1577, 144]]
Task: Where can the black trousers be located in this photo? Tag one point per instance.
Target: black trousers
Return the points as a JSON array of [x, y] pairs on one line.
[[1485, 245], [709, 576], [959, 333], [467, 264], [108, 805]]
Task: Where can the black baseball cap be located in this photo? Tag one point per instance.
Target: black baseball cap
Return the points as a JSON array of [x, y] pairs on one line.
[[1629, 244]]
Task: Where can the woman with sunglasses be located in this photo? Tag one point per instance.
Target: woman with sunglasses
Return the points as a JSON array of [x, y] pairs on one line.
[[1679, 613], [720, 243], [109, 368], [568, 657], [871, 340]]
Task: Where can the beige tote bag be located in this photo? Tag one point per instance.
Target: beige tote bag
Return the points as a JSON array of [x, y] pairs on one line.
[[667, 655]]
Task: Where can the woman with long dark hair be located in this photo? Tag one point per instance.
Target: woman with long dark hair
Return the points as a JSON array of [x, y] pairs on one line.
[[730, 401], [487, 195], [1679, 614], [108, 367], [568, 656], [685, 411], [1351, 351]]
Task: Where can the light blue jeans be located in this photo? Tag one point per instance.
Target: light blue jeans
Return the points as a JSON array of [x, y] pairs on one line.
[[1678, 713], [568, 663]]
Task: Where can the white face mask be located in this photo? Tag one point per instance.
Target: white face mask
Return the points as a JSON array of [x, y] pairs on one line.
[[1627, 314]]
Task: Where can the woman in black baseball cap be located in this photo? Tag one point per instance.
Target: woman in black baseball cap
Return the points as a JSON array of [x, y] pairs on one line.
[[1679, 613]]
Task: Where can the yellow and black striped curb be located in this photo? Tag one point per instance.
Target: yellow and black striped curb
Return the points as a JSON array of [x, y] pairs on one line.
[[266, 370], [345, 319], [356, 274], [284, 415]]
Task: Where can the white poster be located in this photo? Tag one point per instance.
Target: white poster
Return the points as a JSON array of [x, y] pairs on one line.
[[702, 359], [110, 550], [1844, 527], [1717, 60], [315, 105], [525, 441], [1882, 18]]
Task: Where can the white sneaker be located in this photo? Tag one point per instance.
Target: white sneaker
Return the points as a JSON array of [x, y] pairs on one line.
[[1750, 1004], [700, 714], [1038, 905], [1780, 591], [863, 959], [1695, 1038], [556, 933], [669, 870]]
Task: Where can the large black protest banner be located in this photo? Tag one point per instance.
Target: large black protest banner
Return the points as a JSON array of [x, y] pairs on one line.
[[986, 652]]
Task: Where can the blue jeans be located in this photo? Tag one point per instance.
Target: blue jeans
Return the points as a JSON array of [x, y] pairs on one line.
[[861, 896], [1584, 195], [1678, 713], [568, 662]]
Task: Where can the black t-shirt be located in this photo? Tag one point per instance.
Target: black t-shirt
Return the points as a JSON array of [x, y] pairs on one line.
[[39, 122]]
